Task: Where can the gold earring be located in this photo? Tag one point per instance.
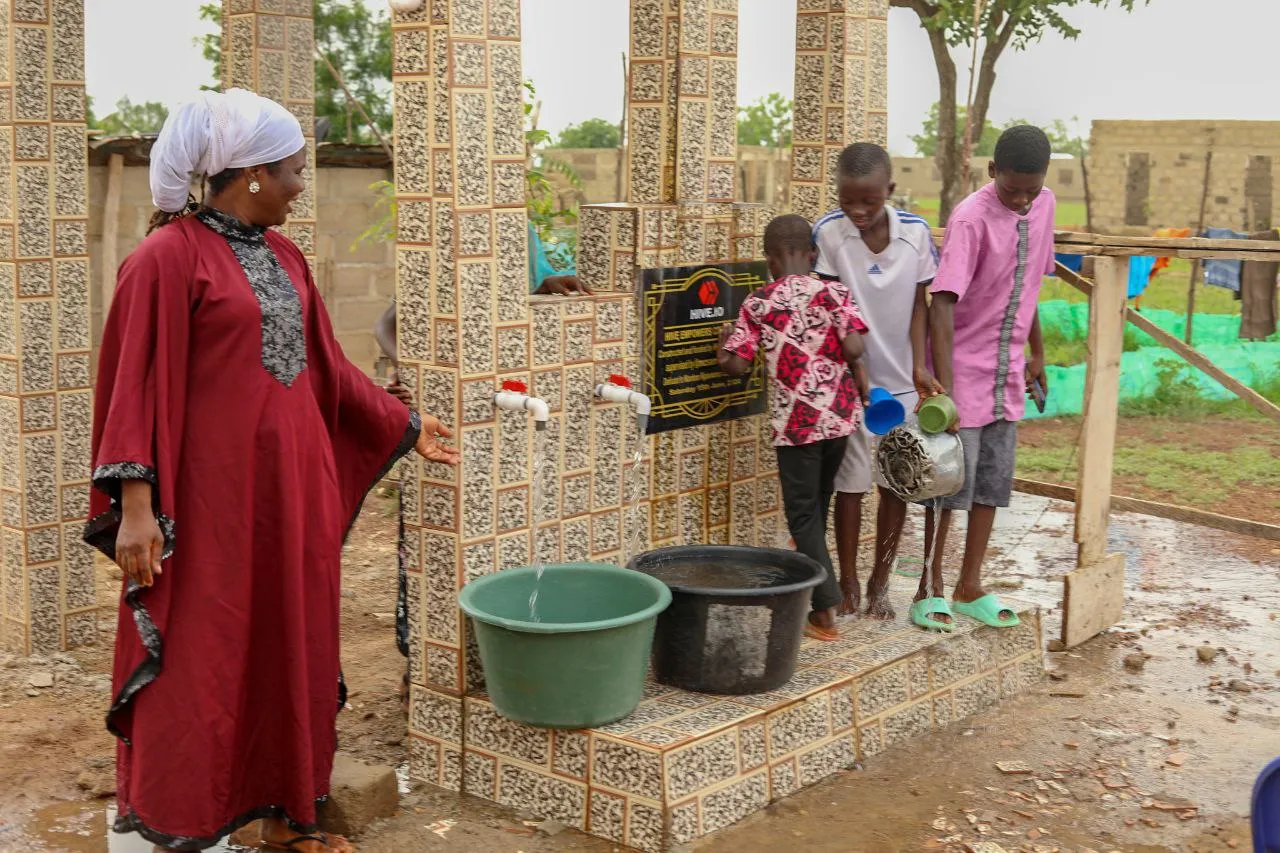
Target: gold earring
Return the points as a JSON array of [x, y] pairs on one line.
[[255, 187]]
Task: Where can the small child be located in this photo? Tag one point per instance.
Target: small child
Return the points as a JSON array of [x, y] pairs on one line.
[[811, 334], [886, 258], [999, 244]]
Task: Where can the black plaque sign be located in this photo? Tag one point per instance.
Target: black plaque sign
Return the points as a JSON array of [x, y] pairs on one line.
[[683, 310]]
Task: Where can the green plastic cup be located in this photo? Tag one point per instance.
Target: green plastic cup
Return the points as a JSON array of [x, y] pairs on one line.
[[937, 414]]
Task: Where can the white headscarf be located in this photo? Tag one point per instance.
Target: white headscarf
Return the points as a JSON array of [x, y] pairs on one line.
[[217, 131]]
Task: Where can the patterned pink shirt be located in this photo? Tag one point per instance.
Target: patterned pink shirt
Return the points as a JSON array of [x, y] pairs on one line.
[[801, 322], [993, 260]]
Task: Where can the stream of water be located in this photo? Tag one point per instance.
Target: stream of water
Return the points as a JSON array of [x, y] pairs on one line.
[[537, 512]]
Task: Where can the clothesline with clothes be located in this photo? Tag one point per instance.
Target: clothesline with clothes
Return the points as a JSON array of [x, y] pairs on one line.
[[1253, 282]]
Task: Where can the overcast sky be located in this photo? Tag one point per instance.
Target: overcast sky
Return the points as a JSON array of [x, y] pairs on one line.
[[1167, 60]]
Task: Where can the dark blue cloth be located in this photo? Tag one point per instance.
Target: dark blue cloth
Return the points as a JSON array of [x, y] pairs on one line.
[[1071, 262], [1222, 273]]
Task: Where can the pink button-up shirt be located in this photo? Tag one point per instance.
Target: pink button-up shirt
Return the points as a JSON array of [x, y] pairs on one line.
[[993, 260]]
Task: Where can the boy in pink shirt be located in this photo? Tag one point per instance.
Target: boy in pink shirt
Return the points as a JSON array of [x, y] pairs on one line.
[[999, 244], [811, 335]]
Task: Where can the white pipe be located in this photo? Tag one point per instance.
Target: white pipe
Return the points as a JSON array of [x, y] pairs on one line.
[[513, 401], [613, 393], [618, 394]]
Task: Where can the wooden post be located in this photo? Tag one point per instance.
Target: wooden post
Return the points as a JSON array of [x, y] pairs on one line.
[[111, 229], [1094, 592], [1195, 264]]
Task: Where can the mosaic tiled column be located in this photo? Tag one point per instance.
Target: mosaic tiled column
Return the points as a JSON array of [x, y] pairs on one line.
[[841, 92], [47, 598], [463, 325], [269, 48]]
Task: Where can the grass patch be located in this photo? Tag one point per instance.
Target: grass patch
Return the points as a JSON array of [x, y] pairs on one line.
[[1194, 477]]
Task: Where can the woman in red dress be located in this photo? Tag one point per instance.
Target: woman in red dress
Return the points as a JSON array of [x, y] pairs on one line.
[[233, 445]]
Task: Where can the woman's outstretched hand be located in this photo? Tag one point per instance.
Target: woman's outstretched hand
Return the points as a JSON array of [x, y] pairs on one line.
[[139, 545], [430, 445]]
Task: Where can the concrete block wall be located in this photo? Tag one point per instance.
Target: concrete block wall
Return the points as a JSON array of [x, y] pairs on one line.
[[1132, 198], [358, 283]]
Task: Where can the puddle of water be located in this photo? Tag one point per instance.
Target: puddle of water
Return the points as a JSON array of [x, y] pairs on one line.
[[85, 827]]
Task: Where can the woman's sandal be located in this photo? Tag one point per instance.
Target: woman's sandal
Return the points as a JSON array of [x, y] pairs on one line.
[[321, 837], [987, 610], [923, 611]]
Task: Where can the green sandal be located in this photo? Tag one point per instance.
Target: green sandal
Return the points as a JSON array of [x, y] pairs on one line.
[[987, 611], [922, 613]]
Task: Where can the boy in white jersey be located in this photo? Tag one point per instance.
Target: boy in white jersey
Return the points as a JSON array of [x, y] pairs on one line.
[[886, 258]]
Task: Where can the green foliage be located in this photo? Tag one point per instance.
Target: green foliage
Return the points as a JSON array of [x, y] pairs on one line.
[[767, 122], [592, 133], [1027, 20], [541, 198], [1061, 136], [357, 41], [386, 215], [926, 140], [129, 118]]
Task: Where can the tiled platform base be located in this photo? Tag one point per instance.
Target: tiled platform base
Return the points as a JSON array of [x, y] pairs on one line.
[[686, 764]]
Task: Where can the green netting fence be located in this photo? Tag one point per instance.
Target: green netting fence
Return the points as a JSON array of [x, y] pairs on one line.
[[1255, 363]]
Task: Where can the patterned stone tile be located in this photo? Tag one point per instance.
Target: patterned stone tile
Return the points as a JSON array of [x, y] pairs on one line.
[[607, 817], [710, 718], [823, 761], [801, 724], [481, 775], [436, 715], [569, 754], [626, 768], [734, 802], [1020, 676], [684, 822], [649, 712], [656, 736], [975, 696], [644, 827], [542, 794], [701, 765], [487, 730], [880, 690]]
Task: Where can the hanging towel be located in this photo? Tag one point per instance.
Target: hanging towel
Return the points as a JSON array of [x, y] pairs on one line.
[[1222, 273], [1139, 273], [1258, 294]]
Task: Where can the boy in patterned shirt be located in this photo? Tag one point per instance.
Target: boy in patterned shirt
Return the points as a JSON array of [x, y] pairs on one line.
[[811, 334]]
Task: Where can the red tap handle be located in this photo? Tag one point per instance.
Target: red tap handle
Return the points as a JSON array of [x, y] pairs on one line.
[[620, 381], [515, 386]]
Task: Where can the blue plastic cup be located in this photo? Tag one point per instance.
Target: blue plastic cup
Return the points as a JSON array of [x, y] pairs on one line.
[[884, 412]]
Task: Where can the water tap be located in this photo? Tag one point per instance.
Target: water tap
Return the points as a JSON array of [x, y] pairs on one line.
[[618, 390], [514, 397]]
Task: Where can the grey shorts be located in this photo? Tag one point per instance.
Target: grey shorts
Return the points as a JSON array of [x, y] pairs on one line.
[[989, 456]]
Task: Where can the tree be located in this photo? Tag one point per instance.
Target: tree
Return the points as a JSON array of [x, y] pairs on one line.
[[926, 141], [130, 118], [357, 41], [592, 133], [999, 24], [767, 122]]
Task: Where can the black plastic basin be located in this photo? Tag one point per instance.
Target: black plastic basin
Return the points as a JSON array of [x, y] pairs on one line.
[[736, 617]]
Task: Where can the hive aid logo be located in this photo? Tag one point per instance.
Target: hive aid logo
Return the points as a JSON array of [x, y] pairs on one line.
[[708, 292]]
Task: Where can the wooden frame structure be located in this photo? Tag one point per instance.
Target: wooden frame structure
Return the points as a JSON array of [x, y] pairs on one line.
[[1093, 594]]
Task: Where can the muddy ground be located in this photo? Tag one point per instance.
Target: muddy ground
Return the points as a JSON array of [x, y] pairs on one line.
[[1156, 755]]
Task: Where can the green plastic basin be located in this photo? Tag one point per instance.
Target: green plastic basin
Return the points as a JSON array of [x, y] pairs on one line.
[[582, 664]]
